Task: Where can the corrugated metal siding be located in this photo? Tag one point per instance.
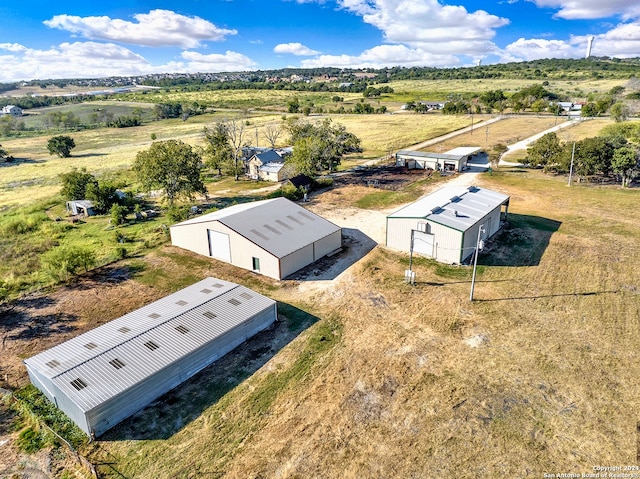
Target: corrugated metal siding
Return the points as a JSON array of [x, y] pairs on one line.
[[296, 260], [234, 307], [326, 245]]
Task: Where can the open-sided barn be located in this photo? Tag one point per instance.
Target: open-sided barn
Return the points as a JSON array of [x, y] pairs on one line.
[[445, 224], [275, 237], [452, 160], [105, 375]]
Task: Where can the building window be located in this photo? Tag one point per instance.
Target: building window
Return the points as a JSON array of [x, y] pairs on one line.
[[256, 263]]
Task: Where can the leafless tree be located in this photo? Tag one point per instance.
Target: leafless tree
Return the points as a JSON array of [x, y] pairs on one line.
[[272, 133], [236, 131]]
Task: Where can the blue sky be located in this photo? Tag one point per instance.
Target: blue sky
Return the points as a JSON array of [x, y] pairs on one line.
[[71, 39]]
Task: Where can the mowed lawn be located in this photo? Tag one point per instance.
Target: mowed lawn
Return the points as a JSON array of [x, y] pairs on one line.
[[537, 375]]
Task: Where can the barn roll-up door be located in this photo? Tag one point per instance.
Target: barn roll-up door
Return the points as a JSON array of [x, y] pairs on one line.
[[219, 246]]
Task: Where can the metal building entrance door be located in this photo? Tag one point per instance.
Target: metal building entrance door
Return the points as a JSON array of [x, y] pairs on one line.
[[219, 245]]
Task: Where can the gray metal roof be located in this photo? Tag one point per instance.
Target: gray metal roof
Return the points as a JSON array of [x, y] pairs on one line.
[[455, 154], [458, 207], [278, 225], [268, 156], [177, 324]]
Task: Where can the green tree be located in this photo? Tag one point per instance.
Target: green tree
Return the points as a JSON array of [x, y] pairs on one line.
[[319, 146], [118, 214], [61, 145], [625, 162], [619, 112], [217, 149], [589, 110], [74, 184], [293, 106], [593, 156], [102, 194], [171, 165], [544, 151], [3, 154]]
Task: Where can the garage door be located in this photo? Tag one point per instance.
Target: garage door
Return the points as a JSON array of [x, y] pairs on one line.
[[219, 245], [423, 243]]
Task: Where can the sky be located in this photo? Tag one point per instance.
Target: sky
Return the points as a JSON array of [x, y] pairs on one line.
[[93, 39]]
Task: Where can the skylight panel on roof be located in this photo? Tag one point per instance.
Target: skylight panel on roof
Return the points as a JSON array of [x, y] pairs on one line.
[[205, 291], [53, 363], [124, 329], [154, 315], [218, 285], [151, 345], [116, 363], [246, 295], [306, 215], [284, 225], [235, 302], [91, 345], [295, 220], [182, 329], [272, 229], [181, 303], [210, 315], [78, 384], [257, 233]]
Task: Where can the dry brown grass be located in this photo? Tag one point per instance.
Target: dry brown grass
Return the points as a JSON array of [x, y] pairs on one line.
[[538, 375]]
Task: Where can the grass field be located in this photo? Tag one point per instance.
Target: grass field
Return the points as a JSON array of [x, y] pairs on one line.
[[372, 377], [538, 375]]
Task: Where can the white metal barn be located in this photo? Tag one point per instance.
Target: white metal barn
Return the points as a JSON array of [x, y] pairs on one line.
[[105, 375], [275, 237], [444, 225]]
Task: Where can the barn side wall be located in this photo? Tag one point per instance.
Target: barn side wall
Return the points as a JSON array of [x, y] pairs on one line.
[[115, 410]]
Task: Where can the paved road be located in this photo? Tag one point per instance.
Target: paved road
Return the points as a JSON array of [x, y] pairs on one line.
[[522, 145]]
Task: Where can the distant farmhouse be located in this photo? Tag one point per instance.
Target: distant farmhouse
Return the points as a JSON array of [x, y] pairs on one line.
[[452, 160], [445, 224], [105, 375], [275, 237], [267, 165], [11, 110]]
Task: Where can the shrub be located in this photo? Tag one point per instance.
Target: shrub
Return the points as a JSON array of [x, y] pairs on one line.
[[23, 224], [176, 214], [62, 262], [121, 252], [118, 214], [30, 441]]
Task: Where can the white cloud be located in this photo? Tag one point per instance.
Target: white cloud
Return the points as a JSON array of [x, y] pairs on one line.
[[621, 41], [156, 28], [216, 62], [536, 48], [430, 26], [294, 49], [590, 9], [98, 60], [382, 56]]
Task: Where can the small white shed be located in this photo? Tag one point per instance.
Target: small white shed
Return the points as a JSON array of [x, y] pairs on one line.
[[444, 225], [275, 237], [105, 375]]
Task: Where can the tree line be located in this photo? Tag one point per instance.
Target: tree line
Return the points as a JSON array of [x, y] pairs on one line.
[[613, 153]]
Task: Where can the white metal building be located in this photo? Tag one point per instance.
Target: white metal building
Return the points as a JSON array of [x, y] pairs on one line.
[[444, 225], [105, 375], [452, 160], [275, 237]]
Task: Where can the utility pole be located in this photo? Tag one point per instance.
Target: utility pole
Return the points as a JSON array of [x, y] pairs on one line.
[[573, 152], [409, 275], [475, 262]]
